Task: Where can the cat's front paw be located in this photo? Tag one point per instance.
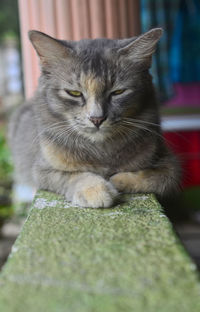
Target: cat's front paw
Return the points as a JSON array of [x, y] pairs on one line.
[[128, 182], [95, 192]]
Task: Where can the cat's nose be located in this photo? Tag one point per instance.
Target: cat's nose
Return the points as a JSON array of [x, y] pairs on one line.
[[97, 121]]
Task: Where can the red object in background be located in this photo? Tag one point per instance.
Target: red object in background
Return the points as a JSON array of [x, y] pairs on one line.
[[186, 145]]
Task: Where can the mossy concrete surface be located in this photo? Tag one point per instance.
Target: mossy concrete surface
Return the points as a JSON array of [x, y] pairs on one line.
[[71, 259]]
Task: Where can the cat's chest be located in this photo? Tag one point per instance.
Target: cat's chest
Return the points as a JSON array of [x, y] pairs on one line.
[[63, 160], [123, 160]]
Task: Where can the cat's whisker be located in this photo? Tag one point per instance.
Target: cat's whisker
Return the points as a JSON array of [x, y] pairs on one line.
[[134, 124], [122, 133], [53, 126], [61, 137], [141, 126], [131, 134], [132, 130], [56, 126], [132, 120]]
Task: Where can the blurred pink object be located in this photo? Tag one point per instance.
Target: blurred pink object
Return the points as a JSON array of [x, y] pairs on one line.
[[186, 94], [73, 20]]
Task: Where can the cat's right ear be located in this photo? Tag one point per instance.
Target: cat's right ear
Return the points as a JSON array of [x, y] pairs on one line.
[[48, 49]]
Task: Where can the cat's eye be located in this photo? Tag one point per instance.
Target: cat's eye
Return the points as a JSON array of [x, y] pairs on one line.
[[118, 92], [74, 93]]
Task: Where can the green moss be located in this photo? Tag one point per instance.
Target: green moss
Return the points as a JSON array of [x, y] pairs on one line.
[[104, 260]]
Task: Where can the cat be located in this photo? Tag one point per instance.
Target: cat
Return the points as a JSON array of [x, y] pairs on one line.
[[92, 129]]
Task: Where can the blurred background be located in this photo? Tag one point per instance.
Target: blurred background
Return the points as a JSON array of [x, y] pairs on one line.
[[176, 72]]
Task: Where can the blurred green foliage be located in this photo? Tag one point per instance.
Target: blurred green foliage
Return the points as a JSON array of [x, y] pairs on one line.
[[9, 20], [6, 169], [5, 159], [9, 29]]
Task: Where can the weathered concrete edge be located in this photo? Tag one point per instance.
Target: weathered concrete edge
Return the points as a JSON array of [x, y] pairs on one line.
[[44, 199]]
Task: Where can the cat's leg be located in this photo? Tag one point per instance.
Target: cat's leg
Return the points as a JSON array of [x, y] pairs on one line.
[[83, 189], [160, 181]]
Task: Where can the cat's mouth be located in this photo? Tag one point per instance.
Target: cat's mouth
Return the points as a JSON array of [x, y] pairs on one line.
[[94, 133], [96, 130]]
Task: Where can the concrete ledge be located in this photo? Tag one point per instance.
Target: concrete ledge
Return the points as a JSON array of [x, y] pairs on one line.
[[124, 259]]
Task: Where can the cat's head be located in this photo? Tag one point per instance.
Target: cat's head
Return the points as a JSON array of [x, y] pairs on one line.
[[94, 84]]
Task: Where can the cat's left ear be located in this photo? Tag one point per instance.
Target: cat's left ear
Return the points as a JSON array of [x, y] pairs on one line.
[[142, 48]]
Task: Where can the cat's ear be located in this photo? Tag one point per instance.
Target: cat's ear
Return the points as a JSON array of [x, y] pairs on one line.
[[142, 48], [48, 48]]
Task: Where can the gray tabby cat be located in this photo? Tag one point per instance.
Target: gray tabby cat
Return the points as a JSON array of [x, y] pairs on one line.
[[92, 128]]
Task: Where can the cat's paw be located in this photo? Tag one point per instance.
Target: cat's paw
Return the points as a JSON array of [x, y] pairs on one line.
[[95, 192], [128, 182]]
